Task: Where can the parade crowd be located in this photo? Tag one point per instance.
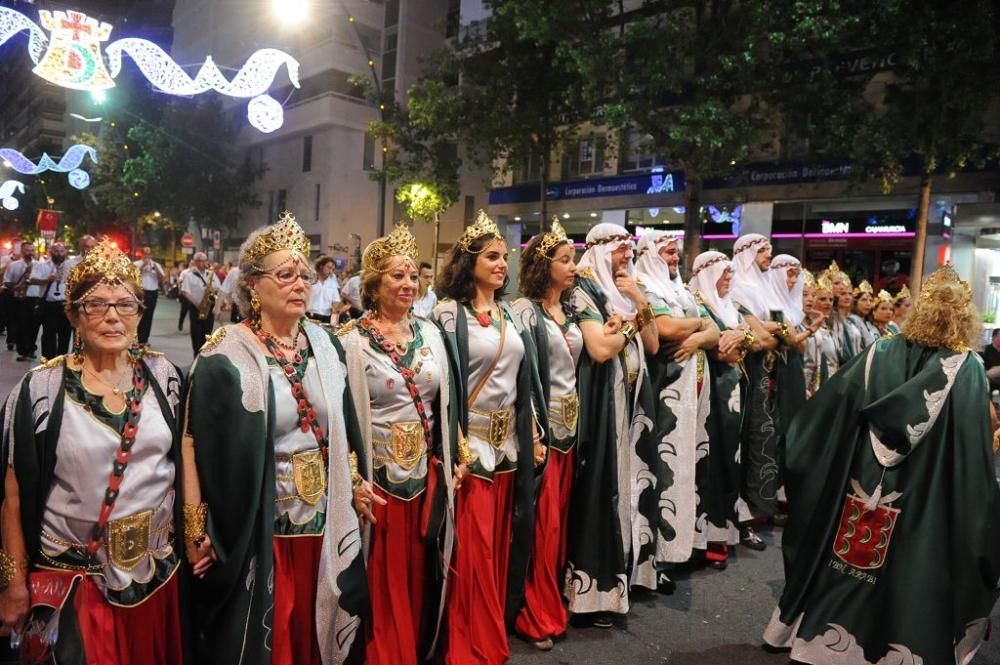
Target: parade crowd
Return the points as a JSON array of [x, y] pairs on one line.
[[393, 473]]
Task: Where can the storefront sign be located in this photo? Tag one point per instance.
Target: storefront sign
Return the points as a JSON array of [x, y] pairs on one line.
[[652, 183]]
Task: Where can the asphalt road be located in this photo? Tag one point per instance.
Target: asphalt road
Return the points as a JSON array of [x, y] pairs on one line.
[[713, 618]]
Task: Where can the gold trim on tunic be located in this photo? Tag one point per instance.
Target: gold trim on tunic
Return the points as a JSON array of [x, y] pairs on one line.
[[498, 430], [406, 445], [565, 410]]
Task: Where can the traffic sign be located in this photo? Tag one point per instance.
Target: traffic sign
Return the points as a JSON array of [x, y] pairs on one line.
[[187, 240]]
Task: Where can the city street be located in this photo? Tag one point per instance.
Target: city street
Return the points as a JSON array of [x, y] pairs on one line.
[[714, 618]]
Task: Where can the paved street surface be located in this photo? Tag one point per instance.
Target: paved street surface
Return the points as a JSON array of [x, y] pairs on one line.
[[714, 618]]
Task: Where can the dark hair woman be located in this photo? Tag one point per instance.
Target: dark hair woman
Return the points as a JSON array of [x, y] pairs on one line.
[[501, 448]]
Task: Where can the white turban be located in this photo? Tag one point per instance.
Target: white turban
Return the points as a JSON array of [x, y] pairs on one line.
[[751, 287], [602, 240], [791, 300], [654, 273], [705, 274]]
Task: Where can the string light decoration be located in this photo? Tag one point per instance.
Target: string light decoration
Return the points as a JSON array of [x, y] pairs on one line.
[[73, 58], [7, 190], [69, 163]]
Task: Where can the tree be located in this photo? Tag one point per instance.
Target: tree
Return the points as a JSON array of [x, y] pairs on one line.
[[939, 106], [425, 202], [510, 94]]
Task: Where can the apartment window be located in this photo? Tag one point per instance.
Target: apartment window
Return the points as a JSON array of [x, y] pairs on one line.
[[528, 169], [307, 153], [585, 158], [282, 202], [637, 153], [369, 158], [316, 216], [391, 13]]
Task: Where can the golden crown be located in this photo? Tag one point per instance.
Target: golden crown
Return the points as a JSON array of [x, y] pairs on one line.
[[834, 273], [904, 294], [398, 243], [945, 276], [484, 226], [554, 238], [884, 296], [104, 260], [824, 283], [864, 288], [808, 279], [286, 234]]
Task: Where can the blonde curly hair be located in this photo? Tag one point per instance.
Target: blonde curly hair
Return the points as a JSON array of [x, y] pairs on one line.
[[944, 316]]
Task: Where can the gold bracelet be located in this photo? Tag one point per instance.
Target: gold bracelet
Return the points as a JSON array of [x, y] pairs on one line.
[[464, 452], [195, 516], [8, 569], [629, 330], [644, 317], [355, 474]]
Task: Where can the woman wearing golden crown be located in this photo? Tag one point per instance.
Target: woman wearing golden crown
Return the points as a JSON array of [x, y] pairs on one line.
[[546, 281], [891, 551], [400, 377], [901, 308], [864, 303], [846, 335], [269, 495], [91, 530], [880, 318], [503, 418], [819, 360]]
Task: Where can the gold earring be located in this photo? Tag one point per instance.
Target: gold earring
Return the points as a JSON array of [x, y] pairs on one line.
[[255, 302]]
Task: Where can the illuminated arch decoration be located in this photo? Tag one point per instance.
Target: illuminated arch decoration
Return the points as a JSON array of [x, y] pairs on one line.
[[72, 58], [7, 190], [69, 163]]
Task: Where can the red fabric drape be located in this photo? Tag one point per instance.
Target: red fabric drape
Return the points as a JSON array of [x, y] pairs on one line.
[[543, 614], [478, 585], [293, 625]]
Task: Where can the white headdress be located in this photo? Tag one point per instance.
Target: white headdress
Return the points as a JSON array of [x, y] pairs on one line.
[[705, 273], [751, 287], [791, 300], [654, 273], [602, 240]]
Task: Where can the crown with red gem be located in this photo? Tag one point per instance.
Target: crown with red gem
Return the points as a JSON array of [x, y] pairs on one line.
[[286, 234], [398, 243]]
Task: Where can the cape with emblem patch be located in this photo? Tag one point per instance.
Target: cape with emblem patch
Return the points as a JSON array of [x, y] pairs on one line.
[[892, 551]]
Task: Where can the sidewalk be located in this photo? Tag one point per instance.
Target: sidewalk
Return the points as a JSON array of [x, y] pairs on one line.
[[164, 338]]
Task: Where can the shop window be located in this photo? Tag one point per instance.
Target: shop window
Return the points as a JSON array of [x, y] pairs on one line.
[[528, 169], [585, 158]]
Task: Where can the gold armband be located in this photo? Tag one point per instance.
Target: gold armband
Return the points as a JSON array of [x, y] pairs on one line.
[[748, 341], [195, 516], [644, 317], [352, 459], [629, 330], [8, 569], [783, 331], [464, 452]]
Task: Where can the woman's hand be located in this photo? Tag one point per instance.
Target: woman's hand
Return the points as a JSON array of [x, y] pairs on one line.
[[541, 452], [200, 554], [816, 320], [628, 288], [461, 471], [14, 604], [364, 497]]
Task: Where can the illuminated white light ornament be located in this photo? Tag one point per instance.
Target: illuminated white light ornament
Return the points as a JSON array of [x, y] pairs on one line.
[[69, 163], [7, 190], [73, 59]]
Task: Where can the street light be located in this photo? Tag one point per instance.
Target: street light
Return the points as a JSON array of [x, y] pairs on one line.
[[290, 12]]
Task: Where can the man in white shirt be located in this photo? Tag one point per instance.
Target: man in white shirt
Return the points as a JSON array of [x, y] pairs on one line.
[[324, 297], [351, 295], [56, 329], [20, 279], [423, 307], [199, 283], [151, 274]]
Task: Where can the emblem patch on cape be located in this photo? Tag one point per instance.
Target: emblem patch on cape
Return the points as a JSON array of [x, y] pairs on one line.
[[863, 535], [213, 340]]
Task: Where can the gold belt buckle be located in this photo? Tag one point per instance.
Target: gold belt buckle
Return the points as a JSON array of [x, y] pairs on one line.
[[407, 444], [499, 428], [570, 410], [128, 539], [309, 474]]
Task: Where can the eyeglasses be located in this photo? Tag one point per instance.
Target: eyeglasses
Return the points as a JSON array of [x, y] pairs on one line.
[[287, 276], [99, 308]]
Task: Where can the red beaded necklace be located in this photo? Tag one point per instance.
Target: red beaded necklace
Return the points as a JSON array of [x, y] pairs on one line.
[[122, 457], [307, 415], [389, 348]]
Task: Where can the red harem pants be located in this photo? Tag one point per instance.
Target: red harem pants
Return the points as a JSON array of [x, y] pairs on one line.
[[296, 575], [478, 585], [543, 614], [396, 582], [146, 634]]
